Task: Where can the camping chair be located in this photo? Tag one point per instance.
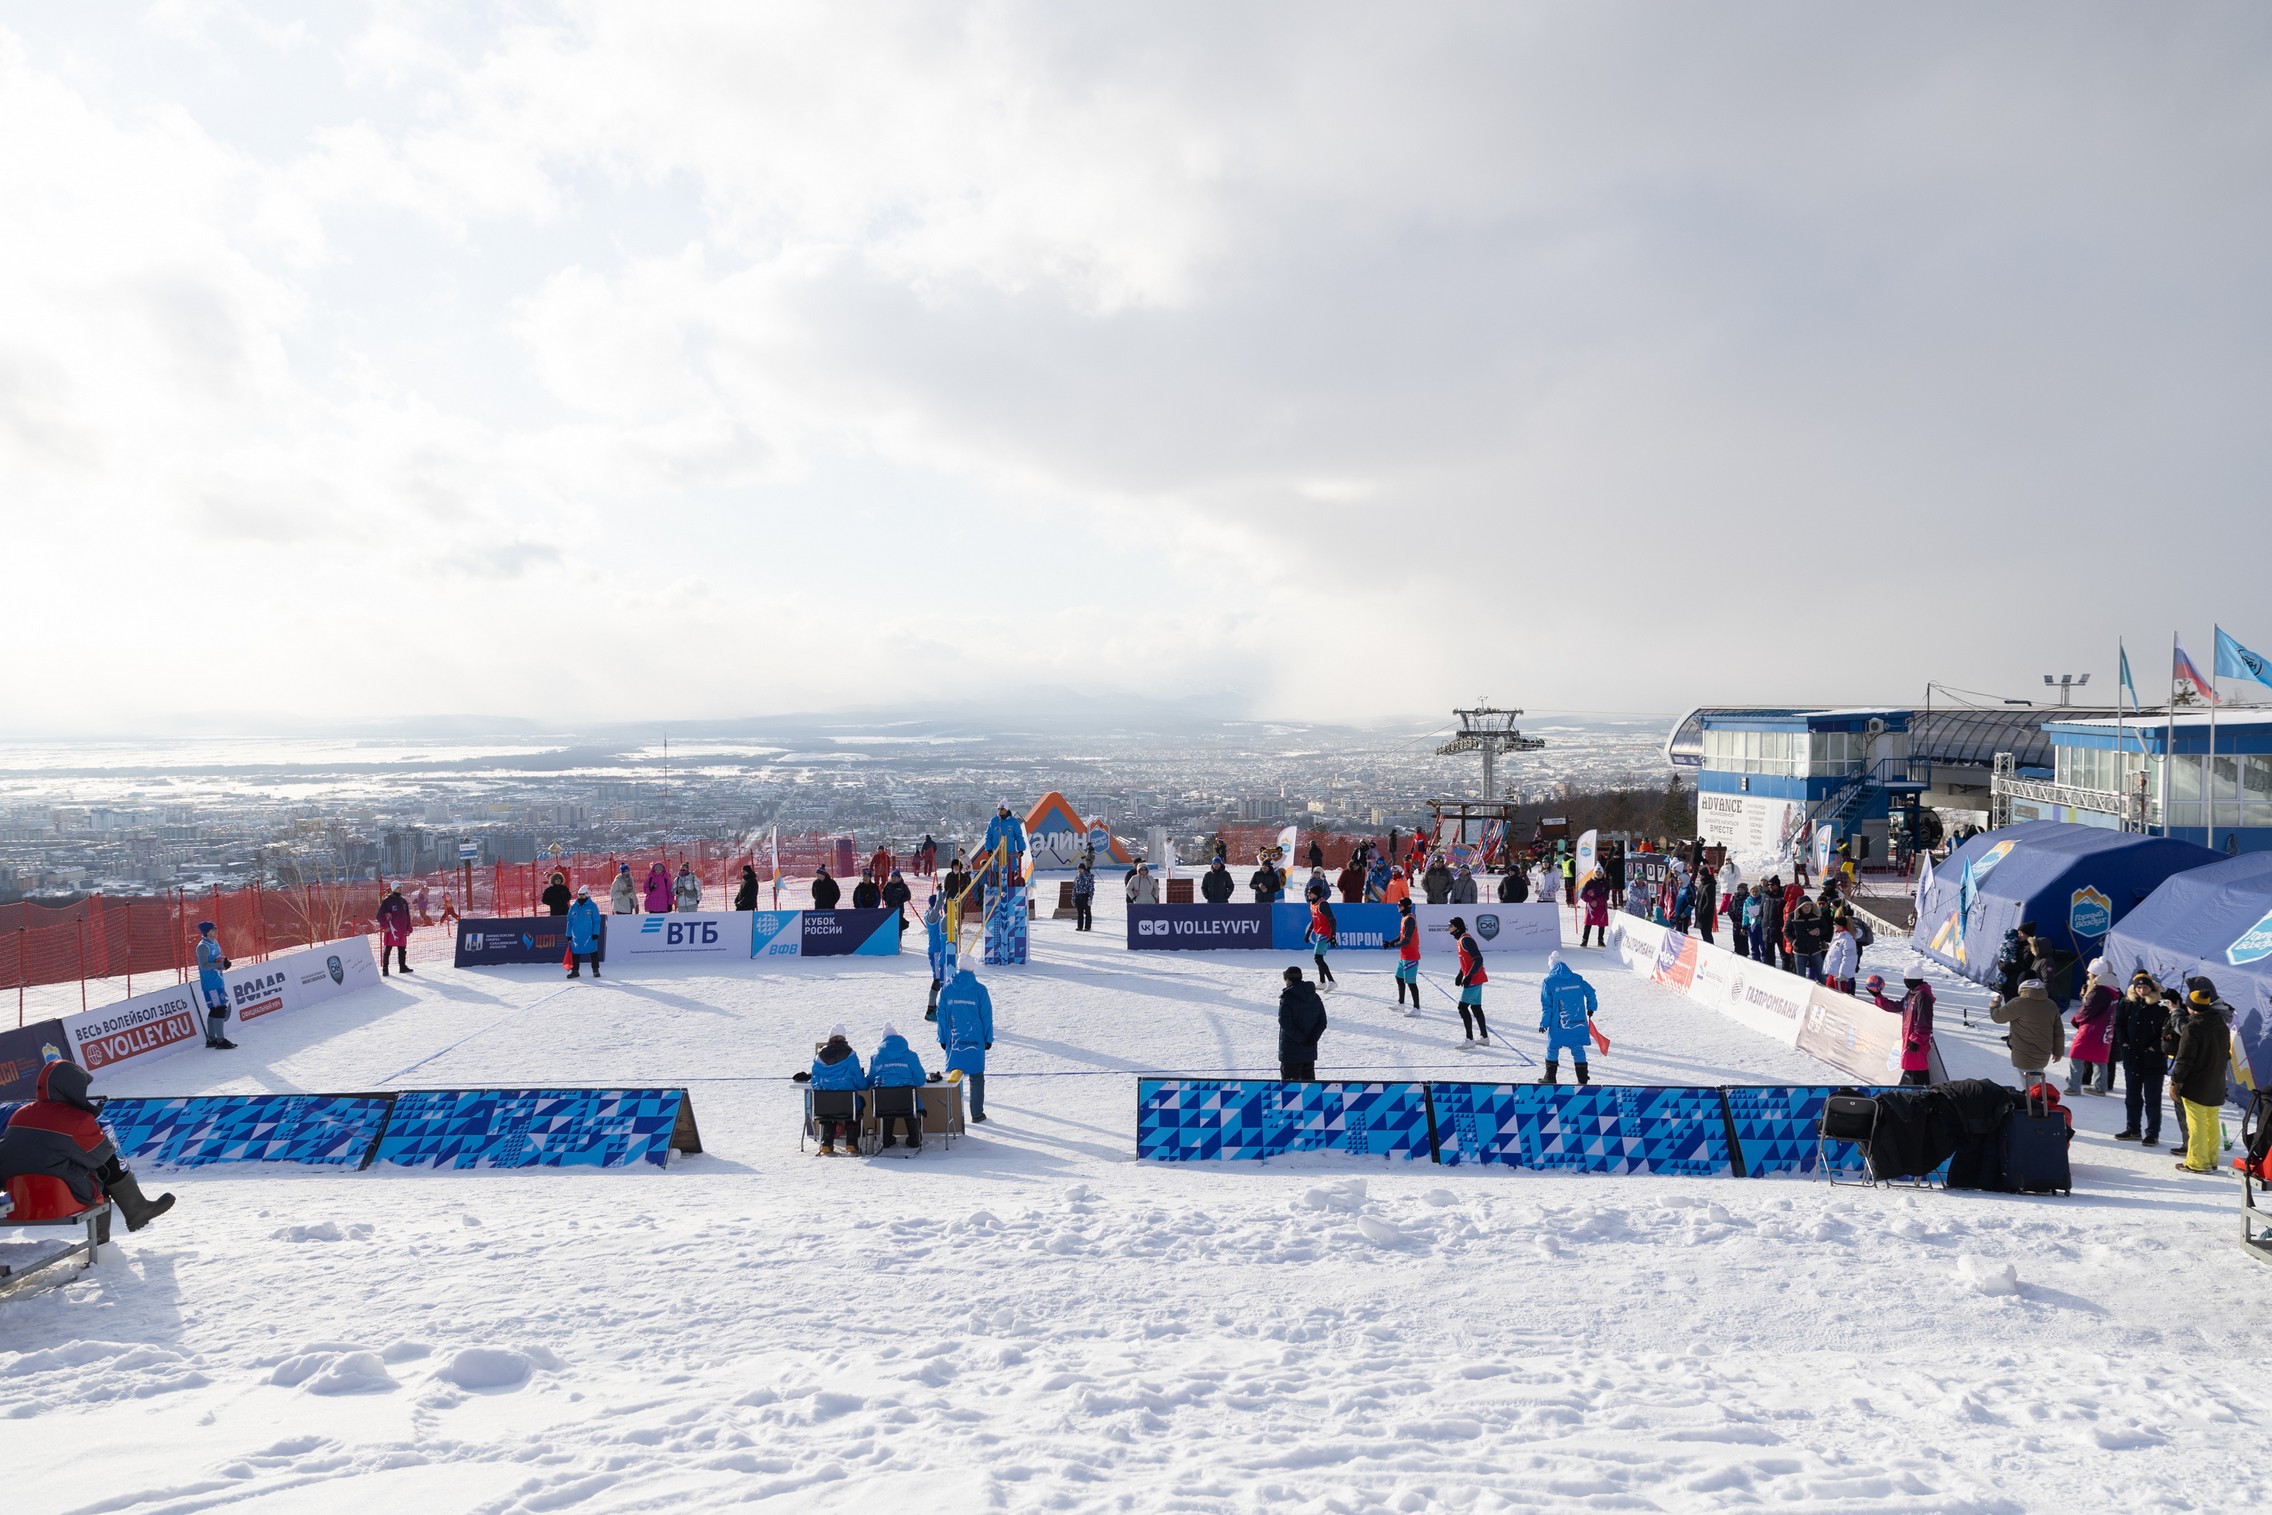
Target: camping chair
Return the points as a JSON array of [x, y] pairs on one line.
[[37, 1200], [831, 1104]]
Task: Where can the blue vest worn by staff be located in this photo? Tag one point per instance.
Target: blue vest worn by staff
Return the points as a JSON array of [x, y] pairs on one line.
[[966, 1022], [584, 926], [209, 956], [895, 1065], [1565, 1002]]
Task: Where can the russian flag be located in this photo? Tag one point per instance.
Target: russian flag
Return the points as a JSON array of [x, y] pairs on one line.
[[2182, 671]]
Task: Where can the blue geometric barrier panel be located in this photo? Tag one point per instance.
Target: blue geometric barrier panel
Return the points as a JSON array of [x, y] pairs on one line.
[[1777, 1131], [326, 1130], [1187, 1120], [530, 1128], [1594, 1128]]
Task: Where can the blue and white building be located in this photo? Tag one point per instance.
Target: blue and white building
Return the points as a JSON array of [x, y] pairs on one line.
[[1768, 776], [2158, 774]]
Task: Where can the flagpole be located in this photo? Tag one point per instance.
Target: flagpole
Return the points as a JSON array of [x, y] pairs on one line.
[[2121, 776], [2169, 736], [2209, 767]]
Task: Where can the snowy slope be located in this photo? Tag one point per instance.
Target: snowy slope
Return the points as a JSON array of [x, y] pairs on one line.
[[1034, 1320]]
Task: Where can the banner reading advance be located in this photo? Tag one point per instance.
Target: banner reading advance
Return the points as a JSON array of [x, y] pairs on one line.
[[1197, 928]]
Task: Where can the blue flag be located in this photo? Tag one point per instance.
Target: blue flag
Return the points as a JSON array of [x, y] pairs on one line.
[[2237, 662]]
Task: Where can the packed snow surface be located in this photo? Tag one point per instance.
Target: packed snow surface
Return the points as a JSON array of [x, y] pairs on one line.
[[1034, 1320]]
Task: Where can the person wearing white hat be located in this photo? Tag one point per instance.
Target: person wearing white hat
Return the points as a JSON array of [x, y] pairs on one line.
[[836, 1066], [895, 1066], [2090, 1061], [584, 928]]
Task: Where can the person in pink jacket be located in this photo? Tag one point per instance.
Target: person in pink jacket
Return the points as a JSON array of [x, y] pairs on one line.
[[1915, 1007], [659, 899], [2090, 1058]]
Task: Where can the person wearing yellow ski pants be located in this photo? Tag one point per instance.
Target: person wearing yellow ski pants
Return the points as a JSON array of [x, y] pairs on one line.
[[2201, 1133]]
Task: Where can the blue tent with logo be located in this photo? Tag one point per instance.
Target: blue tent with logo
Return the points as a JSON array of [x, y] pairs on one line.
[[2215, 922], [2075, 882]]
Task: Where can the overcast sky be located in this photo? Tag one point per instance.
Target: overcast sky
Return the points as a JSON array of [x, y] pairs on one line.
[[1336, 362]]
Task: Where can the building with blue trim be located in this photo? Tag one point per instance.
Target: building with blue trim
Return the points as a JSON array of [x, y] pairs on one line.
[[2157, 774], [1769, 776]]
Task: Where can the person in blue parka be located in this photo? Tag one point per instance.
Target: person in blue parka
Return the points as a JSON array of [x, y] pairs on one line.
[[1004, 828], [966, 1030], [836, 1066], [1566, 1006], [941, 948], [895, 1066], [584, 934]]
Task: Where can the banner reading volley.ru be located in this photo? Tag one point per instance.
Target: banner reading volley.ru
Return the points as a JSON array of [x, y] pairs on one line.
[[1197, 928]]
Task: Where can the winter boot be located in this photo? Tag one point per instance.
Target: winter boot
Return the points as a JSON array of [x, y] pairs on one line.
[[1583, 1076], [138, 1209], [828, 1147], [2130, 1135], [1553, 1071]]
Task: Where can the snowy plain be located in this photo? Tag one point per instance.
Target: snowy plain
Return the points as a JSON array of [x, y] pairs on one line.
[[1034, 1320]]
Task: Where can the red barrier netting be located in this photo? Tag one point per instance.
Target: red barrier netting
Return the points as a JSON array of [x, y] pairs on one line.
[[108, 944]]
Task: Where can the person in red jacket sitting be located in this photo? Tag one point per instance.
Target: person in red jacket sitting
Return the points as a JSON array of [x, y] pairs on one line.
[[57, 1140]]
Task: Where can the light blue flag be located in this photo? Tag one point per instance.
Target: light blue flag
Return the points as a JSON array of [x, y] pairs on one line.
[[2237, 662], [2124, 684]]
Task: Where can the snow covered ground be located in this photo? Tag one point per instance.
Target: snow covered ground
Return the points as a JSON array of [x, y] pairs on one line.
[[1034, 1320]]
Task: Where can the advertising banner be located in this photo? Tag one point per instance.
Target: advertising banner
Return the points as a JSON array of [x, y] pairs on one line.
[[1353, 926], [1532, 927], [23, 1051], [171, 1018], [776, 933], [1852, 1035], [1769, 1001], [1749, 825], [517, 939], [848, 933], [1197, 928], [159, 1021], [694, 934]]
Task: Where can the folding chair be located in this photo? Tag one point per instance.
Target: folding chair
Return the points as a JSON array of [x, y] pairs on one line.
[[831, 1104], [890, 1104], [1846, 1118]]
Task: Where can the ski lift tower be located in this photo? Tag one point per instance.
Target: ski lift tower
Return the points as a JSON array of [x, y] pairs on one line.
[[1490, 731]]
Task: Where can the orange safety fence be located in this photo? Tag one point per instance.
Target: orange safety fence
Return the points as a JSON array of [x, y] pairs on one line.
[[105, 943]]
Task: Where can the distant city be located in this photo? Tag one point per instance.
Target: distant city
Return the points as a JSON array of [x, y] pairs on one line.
[[128, 817]]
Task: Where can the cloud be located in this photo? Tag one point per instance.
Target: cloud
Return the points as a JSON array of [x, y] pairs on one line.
[[1337, 356]]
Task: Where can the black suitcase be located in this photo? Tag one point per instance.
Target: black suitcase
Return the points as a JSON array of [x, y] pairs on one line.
[[2035, 1150]]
